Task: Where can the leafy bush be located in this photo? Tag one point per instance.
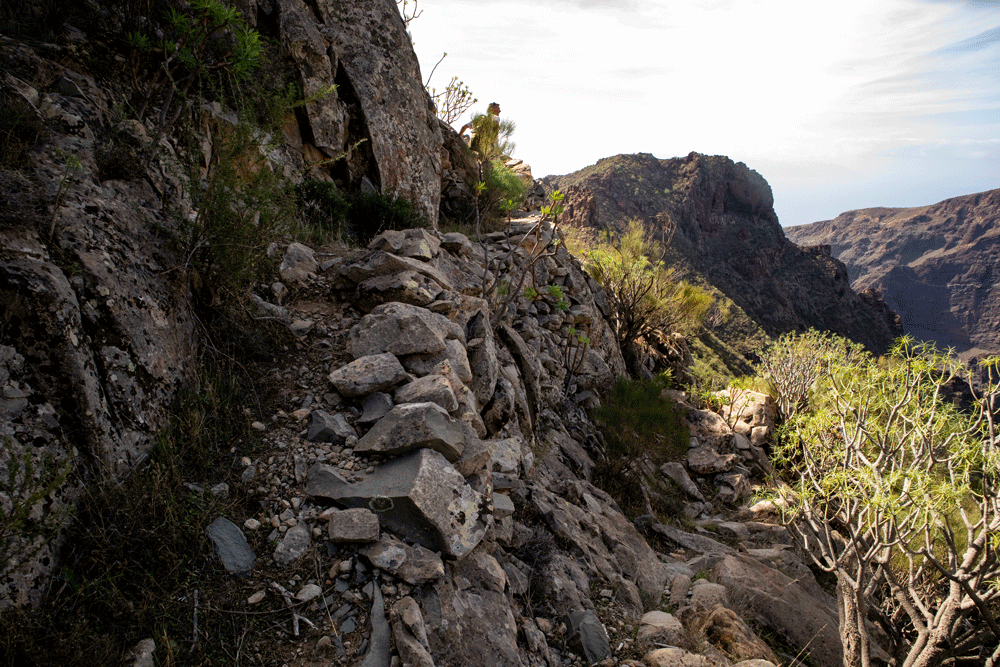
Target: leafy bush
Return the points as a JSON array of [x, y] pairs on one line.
[[893, 490], [504, 189], [645, 295]]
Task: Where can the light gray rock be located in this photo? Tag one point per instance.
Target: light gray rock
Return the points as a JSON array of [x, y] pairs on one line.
[[706, 595], [680, 586], [400, 328], [298, 263], [353, 525], [142, 653], [418, 496], [428, 389], [368, 375], [676, 472], [704, 460], [231, 546], [677, 657], [413, 243], [733, 486], [659, 627], [293, 545], [482, 357], [417, 425], [454, 353], [699, 543], [457, 243], [324, 427], [413, 564], [410, 635], [784, 606], [381, 263], [405, 287]]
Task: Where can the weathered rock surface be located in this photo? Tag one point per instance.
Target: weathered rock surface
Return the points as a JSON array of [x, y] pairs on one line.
[[231, 546], [369, 374], [418, 496], [413, 426], [414, 565]]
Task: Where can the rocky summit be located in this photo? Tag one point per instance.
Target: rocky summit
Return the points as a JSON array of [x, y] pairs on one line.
[[935, 265], [718, 218]]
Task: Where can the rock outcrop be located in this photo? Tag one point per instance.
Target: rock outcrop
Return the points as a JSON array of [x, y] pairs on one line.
[[719, 219], [936, 266]]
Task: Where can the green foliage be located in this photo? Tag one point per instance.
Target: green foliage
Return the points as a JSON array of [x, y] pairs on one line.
[[908, 479], [452, 102], [640, 429], [645, 295], [504, 189], [794, 363], [208, 37]]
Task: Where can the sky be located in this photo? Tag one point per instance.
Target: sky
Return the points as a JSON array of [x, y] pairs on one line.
[[839, 105]]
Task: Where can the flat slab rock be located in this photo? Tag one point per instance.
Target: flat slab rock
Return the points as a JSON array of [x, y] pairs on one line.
[[231, 546], [368, 374], [419, 496], [412, 426]]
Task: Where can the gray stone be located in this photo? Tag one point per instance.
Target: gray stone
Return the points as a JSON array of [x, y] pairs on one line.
[[699, 543], [353, 525], [428, 389], [418, 496], [659, 627], [680, 586], [293, 545], [417, 425], [324, 427], [368, 375], [299, 262], [413, 243], [505, 455], [405, 287], [704, 460], [379, 650], [587, 636], [733, 486], [400, 328], [231, 546], [502, 505], [707, 595], [457, 243], [410, 634], [413, 564], [380, 263], [678, 474], [734, 530], [483, 357], [454, 353], [309, 592], [142, 653], [375, 407], [378, 59]]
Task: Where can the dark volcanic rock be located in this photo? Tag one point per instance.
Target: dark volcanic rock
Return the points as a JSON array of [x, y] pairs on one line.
[[720, 221], [937, 266]]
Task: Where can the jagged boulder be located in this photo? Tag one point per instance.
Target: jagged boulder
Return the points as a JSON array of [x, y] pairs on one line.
[[401, 329], [418, 496], [413, 426]]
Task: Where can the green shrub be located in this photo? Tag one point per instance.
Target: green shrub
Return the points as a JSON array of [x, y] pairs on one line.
[[504, 189], [328, 212]]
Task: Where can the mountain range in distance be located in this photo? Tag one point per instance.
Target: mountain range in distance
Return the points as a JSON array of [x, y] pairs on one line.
[[937, 266]]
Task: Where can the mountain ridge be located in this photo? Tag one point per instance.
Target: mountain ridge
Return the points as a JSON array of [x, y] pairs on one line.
[[722, 226], [936, 265]]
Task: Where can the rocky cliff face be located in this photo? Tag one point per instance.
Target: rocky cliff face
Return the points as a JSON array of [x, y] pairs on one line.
[[723, 226], [936, 265]]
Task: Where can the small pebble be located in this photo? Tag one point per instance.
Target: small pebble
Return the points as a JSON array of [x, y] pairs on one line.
[[251, 524], [258, 426]]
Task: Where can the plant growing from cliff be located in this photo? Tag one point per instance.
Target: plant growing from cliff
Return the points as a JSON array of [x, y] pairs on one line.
[[504, 277], [574, 353], [894, 490], [645, 296], [208, 37], [452, 102]]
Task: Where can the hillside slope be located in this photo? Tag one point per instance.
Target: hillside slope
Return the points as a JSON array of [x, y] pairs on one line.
[[935, 265], [725, 230]]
